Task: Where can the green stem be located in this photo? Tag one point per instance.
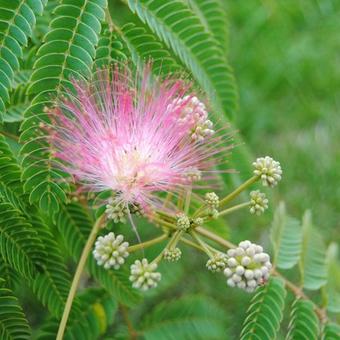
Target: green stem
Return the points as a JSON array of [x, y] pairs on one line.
[[208, 234], [201, 243], [237, 191], [163, 223], [192, 244], [147, 244], [232, 209], [173, 239], [77, 275]]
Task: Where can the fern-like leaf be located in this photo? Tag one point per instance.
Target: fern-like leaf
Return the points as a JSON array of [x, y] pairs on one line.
[[20, 245], [18, 98], [51, 286], [286, 235], [333, 279], [68, 51], [214, 18], [265, 312], [10, 172], [110, 49], [331, 331], [304, 323], [144, 46], [17, 18], [8, 274], [190, 317], [312, 263], [181, 29], [13, 323]]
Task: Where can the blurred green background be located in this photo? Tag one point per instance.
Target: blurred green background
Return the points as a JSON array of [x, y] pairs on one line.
[[286, 59]]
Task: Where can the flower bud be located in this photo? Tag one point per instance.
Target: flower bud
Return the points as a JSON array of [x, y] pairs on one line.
[[116, 212], [172, 255], [212, 200], [268, 170], [258, 202], [247, 266], [183, 222], [110, 251], [143, 275], [217, 263]]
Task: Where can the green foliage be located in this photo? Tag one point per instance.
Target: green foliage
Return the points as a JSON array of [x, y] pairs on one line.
[[51, 286], [213, 16], [304, 324], [20, 245], [286, 234], [312, 262], [143, 46], [109, 49], [333, 279], [17, 19], [265, 312], [184, 33], [190, 317], [13, 323], [331, 331], [90, 322], [18, 98]]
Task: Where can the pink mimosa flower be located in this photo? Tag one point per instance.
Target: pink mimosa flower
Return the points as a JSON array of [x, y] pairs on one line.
[[130, 135]]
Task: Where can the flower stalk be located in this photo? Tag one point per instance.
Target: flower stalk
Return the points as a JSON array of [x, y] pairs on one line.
[[232, 209], [76, 278], [237, 191], [147, 244]]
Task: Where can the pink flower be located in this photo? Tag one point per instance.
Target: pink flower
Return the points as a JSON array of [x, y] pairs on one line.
[[136, 136]]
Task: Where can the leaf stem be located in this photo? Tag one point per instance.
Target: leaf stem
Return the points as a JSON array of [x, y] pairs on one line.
[[202, 244], [77, 275], [237, 191], [192, 244], [232, 209], [163, 223], [147, 244]]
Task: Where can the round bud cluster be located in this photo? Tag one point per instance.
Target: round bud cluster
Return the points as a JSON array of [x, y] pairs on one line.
[[183, 222], [193, 175], [217, 263], [269, 170], [247, 267], [195, 114], [110, 251], [258, 202], [202, 129], [143, 275], [198, 221], [212, 200], [172, 255], [116, 212]]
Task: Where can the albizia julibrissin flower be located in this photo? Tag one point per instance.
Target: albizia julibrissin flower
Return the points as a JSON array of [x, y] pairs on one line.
[[135, 135]]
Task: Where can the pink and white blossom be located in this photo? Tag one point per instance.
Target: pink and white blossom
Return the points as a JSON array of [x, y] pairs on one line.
[[129, 134]]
